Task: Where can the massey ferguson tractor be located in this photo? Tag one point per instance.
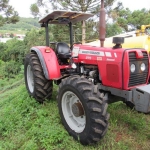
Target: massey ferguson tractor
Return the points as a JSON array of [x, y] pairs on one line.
[[89, 77]]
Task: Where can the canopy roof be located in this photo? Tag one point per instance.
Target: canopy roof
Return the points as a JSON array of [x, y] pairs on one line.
[[64, 17]]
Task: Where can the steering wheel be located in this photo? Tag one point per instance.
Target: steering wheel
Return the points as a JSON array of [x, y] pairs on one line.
[[74, 43]]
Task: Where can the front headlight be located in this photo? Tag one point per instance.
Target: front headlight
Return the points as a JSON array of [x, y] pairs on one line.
[[132, 68], [143, 67], [73, 65]]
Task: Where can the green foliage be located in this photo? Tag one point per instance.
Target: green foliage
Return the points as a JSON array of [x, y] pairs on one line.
[[11, 69], [92, 30], [131, 20], [24, 24], [2, 48], [139, 17], [11, 58], [34, 10], [112, 29], [92, 6], [1, 62], [39, 129], [34, 38], [2, 20], [9, 15], [59, 33], [6, 84], [12, 50]]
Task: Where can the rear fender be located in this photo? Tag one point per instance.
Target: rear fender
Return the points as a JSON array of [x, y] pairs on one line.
[[48, 61]]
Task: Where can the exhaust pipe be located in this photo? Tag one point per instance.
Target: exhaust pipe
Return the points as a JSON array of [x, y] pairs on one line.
[[102, 24]]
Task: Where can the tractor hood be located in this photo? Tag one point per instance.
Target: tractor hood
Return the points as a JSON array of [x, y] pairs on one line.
[[115, 65], [97, 53]]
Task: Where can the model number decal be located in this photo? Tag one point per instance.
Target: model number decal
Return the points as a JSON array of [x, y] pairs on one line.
[[99, 58], [88, 57], [97, 53], [108, 54]]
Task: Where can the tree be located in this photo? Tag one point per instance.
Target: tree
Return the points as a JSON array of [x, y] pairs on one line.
[[34, 37], [129, 20], [92, 6], [34, 10], [2, 49], [11, 35], [8, 14], [113, 29], [11, 57], [12, 50]]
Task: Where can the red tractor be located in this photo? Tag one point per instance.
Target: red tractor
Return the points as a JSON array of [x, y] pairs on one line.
[[89, 78]]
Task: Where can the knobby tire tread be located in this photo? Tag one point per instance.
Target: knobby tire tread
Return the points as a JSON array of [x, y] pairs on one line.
[[96, 106], [42, 87]]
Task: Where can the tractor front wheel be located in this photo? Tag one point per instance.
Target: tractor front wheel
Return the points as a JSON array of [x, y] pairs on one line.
[[82, 109], [37, 85]]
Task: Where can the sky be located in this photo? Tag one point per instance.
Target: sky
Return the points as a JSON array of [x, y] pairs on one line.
[[23, 7]]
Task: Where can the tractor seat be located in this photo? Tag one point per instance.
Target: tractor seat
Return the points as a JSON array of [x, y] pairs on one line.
[[63, 50]]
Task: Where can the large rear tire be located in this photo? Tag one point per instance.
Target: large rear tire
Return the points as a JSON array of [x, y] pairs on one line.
[[82, 109], [37, 85]]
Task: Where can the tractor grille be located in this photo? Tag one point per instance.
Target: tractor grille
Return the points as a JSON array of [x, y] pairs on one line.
[[138, 77]]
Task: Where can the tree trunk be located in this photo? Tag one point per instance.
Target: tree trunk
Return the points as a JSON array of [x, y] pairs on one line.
[[83, 32]]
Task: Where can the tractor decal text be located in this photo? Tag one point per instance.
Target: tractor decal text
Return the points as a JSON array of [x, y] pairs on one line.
[[115, 54], [99, 58], [75, 51], [110, 59], [89, 52], [88, 57], [108, 54]]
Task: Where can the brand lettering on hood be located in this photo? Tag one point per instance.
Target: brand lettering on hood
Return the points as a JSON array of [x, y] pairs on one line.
[[99, 53]]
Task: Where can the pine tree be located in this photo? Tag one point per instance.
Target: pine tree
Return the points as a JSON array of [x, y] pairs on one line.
[[8, 14]]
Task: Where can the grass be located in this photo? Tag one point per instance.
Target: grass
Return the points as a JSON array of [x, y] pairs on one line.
[[28, 125]]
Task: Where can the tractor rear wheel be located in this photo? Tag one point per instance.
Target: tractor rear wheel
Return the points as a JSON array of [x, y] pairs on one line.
[[37, 85], [82, 109]]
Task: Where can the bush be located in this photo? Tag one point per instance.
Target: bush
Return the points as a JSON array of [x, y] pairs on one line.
[[9, 69]]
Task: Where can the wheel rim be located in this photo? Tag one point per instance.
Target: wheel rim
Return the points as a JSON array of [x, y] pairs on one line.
[[76, 121], [30, 80]]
